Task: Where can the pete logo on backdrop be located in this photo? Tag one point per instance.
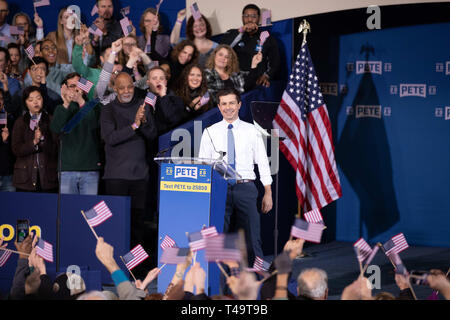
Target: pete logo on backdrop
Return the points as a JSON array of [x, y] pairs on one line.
[[185, 172], [329, 88], [413, 90], [369, 67]]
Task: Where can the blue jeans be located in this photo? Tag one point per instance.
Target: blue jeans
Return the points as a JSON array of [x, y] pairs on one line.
[[6, 184], [79, 182]]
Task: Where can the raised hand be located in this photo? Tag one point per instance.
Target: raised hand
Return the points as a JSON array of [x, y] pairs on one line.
[[37, 136], [181, 15], [38, 20]]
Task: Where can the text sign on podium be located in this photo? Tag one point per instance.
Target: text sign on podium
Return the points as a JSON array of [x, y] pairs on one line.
[[187, 204]]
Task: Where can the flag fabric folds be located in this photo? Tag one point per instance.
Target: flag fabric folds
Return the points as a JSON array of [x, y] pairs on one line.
[[263, 37], [204, 100], [260, 265], [196, 241], [150, 99], [95, 30], [209, 232], [223, 247], [126, 26], [399, 266], [313, 216], [44, 250], [85, 84], [174, 255], [266, 18], [4, 256], [308, 231], [397, 244], [168, 242], [135, 257], [195, 11], [362, 249], [94, 10], [302, 118], [41, 3], [16, 30], [30, 51], [98, 214]]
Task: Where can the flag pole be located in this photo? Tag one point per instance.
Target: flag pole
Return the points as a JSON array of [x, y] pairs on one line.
[[93, 231], [159, 270], [13, 251], [359, 262], [270, 275], [221, 269], [128, 269]]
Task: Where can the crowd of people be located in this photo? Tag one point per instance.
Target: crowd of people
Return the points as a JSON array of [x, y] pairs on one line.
[[102, 141], [31, 281]]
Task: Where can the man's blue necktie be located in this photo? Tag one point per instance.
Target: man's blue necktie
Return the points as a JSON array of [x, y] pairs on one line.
[[231, 151]]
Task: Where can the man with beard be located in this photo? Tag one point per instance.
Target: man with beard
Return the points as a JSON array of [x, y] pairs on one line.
[[127, 127], [111, 27]]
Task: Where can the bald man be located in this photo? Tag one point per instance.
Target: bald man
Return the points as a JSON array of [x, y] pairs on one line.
[[312, 284], [127, 126]]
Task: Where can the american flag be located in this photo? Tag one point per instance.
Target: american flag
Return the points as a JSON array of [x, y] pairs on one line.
[[150, 99], [4, 256], [263, 37], [3, 41], [85, 84], [195, 12], [363, 251], [302, 118], [260, 265], [223, 247], [41, 3], [397, 244], [16, 30], [3, 118], [399, 266], [94, 10], [196, 241], [307, 231], [174, 255], [168, 242], [266, 18], [209, 232], [126, 26], [125, 11], [98, 214], [135, 257], [204, 100], [95, 30], [44, 250], [30, 51], [313, 216], [372, 254]]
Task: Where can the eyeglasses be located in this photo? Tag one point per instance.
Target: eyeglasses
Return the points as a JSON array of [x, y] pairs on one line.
[[130, 44], [254, 16]]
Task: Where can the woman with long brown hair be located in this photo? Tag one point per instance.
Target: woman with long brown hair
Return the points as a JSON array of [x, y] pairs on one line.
[[64, 38], [152, 34]]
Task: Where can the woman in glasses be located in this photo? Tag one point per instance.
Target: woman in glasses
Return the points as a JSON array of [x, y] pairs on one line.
[[153, 41]]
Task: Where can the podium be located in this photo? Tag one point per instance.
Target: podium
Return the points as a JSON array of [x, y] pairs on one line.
[[192, 195]]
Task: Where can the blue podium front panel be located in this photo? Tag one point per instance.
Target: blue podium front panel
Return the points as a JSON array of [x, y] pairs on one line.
[[184, 207]]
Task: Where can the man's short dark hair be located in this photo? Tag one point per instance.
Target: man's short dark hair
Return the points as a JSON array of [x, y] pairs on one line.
[[252, 6], [225, 92], [6, 52], [38, 60], [70, 76]]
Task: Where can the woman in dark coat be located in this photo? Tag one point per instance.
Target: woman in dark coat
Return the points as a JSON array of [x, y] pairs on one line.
[[35, 147]]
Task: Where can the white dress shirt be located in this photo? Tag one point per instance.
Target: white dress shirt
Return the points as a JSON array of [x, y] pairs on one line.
[[248, 144]]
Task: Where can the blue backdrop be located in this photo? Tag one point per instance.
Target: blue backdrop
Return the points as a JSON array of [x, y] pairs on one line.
[[393, 134]]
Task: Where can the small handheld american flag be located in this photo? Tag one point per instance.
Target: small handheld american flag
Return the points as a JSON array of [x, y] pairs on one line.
[[41, 3], [223, 247], [209, 232], [16, 30], [85, 85], [196, 241], [30, 51], [195, 12], [126, 26], [397, 244], [95, 30], [307, 231], [98, 214], [168, 242], [4, 256], [314, 216], [3, 118], [174, 255], [94, 10], [363, 251], [135, 257], [205, 99], [263, 37], [150, 99], [44, 250], [266, 18], [260, 265]]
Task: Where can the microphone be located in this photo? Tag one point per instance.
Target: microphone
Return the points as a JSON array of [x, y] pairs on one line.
[[222, 153]]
